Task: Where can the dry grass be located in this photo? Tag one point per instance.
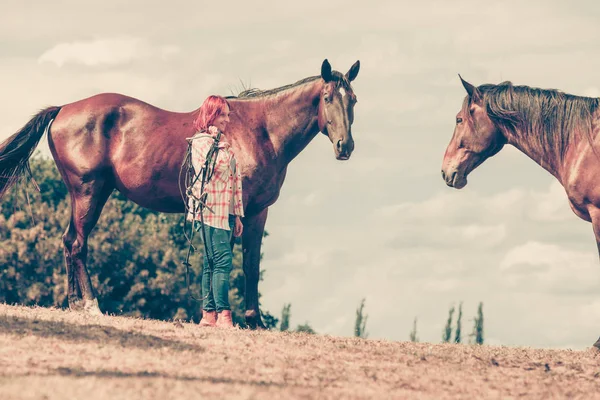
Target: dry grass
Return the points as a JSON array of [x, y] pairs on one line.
[[55, 354]]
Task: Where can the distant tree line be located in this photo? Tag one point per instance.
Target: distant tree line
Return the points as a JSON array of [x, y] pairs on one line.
[[476, 335], [284, 325], [360, 323]]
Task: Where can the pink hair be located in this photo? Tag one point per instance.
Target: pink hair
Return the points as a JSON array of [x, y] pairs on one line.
[[212, 107]]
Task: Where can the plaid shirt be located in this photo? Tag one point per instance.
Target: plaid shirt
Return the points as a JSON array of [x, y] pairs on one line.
[[225, 187]]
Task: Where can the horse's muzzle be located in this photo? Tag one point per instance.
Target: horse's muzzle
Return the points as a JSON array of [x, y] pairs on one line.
[[343, 149], [454, 179]]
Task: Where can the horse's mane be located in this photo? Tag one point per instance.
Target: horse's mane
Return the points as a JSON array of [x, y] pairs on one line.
[[547, 118], [338, 77]]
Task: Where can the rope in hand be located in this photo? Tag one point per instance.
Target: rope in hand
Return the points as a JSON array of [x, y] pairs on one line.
[[190, 179]]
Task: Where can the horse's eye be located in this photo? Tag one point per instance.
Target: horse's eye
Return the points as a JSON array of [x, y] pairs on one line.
[[458, 120]]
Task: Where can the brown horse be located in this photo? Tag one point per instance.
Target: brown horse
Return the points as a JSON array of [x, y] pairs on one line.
[[558, 131], [110, 141]]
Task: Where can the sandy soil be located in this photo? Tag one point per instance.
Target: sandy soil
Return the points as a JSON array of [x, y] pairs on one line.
[[56, 354]]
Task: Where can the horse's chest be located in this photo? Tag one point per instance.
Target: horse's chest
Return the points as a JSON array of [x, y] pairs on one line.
[[581, 181], [263, 187], [579, 195]]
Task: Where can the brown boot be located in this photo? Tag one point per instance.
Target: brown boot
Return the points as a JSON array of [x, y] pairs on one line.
[[209, 318], [224, 319]]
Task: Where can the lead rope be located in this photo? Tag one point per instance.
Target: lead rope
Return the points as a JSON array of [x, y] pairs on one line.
[[190, 179]]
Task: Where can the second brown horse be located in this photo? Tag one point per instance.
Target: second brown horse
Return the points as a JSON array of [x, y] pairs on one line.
[[559, 131]]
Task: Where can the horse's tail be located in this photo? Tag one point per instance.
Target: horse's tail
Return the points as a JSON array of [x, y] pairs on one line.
[[16, 150]]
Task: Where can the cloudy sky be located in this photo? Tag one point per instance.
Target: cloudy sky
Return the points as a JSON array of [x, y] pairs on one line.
[[383, 225]]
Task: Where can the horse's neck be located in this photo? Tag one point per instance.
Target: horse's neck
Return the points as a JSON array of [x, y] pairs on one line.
[[292, 119], [549, 159], [558, 144]]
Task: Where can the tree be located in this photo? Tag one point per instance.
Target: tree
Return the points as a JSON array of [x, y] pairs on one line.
[[478, 325], [269, 320], [285, 317], [413, 333], [448, 329], [361, 321], [306, 328], [457, 335]]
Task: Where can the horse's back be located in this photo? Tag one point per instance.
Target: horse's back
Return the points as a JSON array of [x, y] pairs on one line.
[[109, 121], [107, 99], [137, 146]]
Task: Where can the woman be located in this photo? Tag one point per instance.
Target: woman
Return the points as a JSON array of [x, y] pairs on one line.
[[222, 211]]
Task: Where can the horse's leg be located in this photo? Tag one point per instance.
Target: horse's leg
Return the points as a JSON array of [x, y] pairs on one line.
[[254, 227], [87, 202], [72, 288], [595, 216]]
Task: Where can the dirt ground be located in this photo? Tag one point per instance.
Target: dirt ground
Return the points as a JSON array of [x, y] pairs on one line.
[[55, 354]]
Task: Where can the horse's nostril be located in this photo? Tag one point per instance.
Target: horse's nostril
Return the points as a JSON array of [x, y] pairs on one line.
[[339, 145], [453, 176], [443, 175]]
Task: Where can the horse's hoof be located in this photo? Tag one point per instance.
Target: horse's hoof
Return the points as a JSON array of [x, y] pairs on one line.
[[91, 307], [597, 344], [254, 321], [75, 304]]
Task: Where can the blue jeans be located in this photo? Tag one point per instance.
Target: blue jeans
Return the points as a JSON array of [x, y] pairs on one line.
[[218, 242]]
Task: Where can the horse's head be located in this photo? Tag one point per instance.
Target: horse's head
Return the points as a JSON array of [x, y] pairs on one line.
[[475, 139], [336, 108]]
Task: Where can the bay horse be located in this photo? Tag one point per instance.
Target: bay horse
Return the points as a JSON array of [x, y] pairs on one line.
[[559, 131], [110, 141]]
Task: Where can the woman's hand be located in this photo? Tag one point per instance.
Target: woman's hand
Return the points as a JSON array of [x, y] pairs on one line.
[[239, 227]]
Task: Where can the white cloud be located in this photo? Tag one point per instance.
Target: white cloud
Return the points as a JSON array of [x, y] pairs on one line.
[[444, 285], [536, 266], [451, 206], [492, 234], [111, 51], [281, 45], [304, 200], [589, 315]]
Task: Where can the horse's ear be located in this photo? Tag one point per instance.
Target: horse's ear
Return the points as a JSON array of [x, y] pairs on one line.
[[326, 71], [472, 90], [353, 71]]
